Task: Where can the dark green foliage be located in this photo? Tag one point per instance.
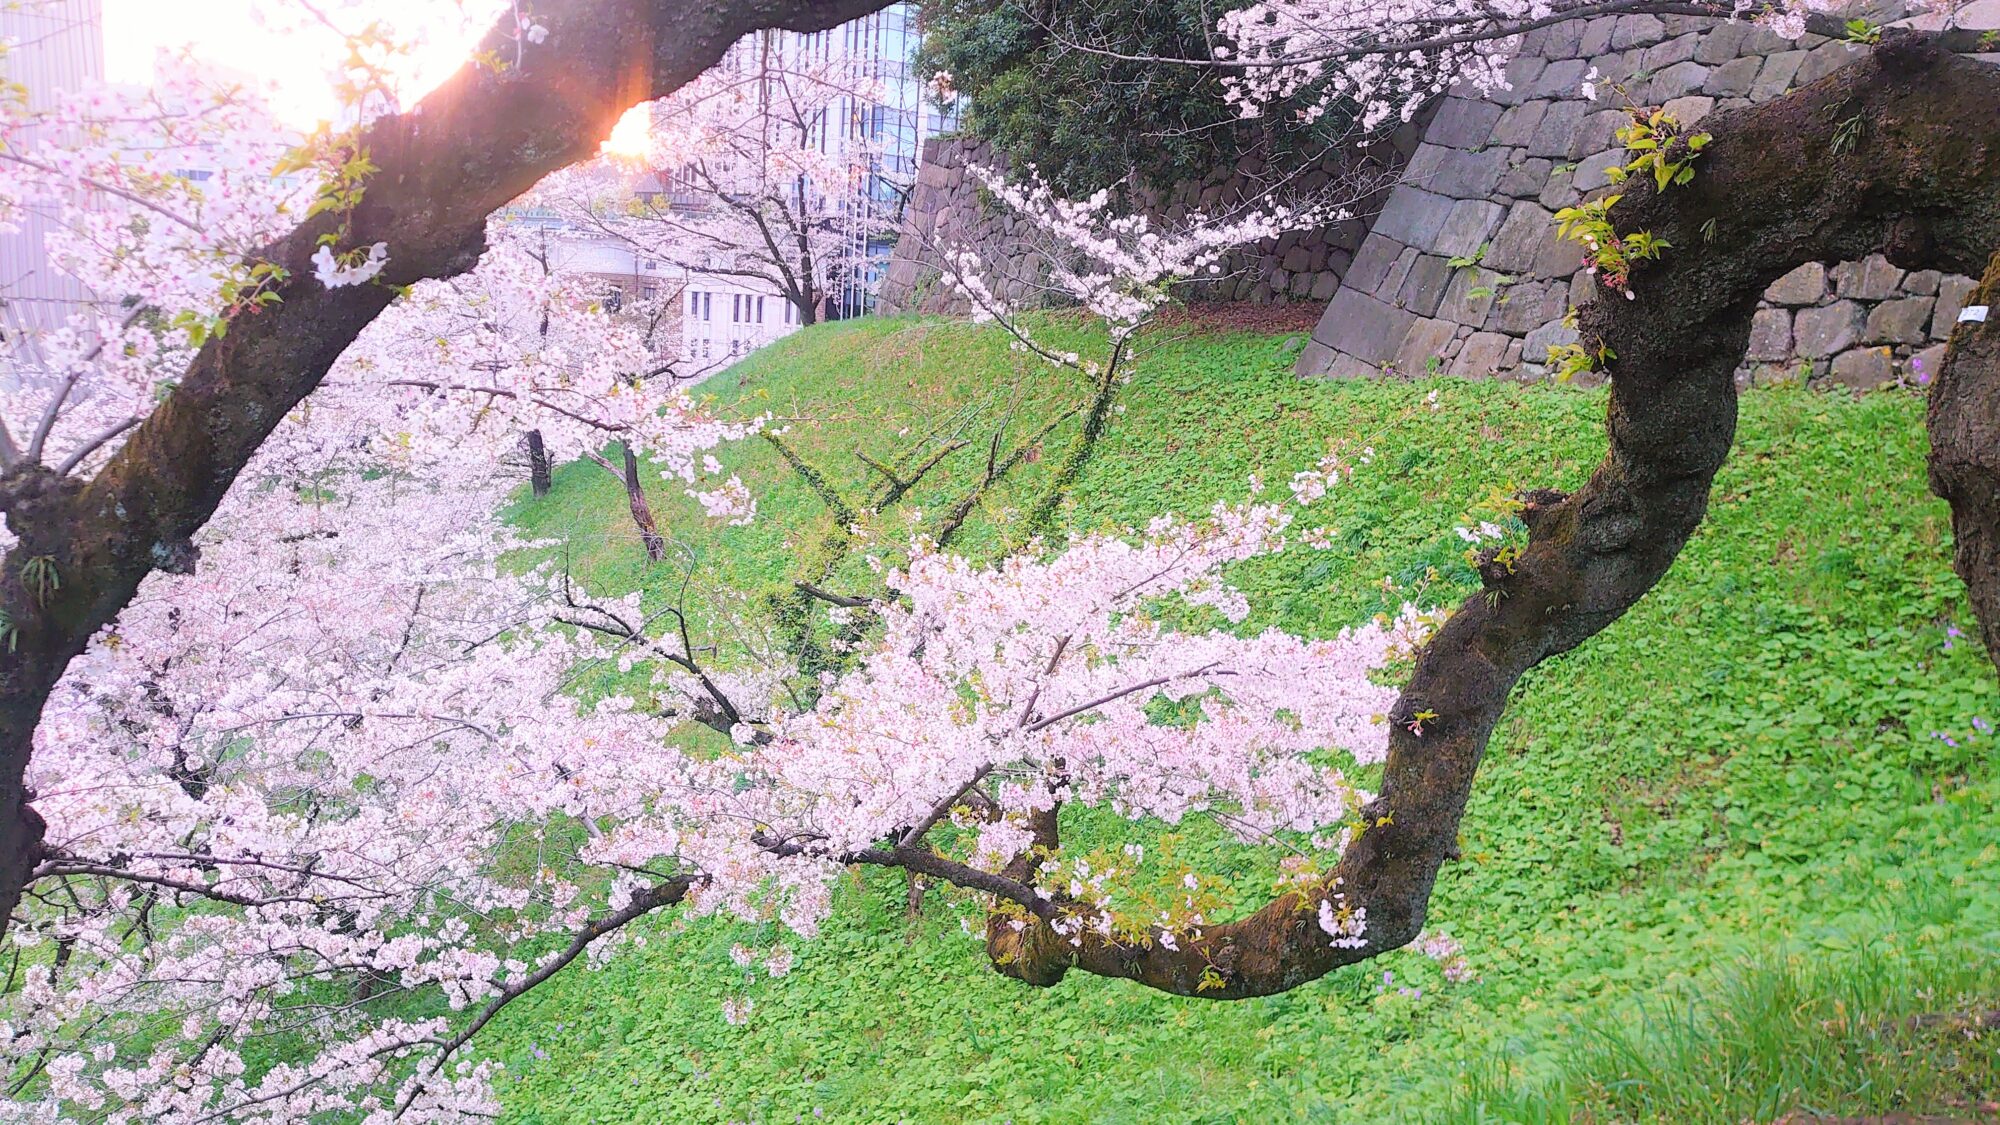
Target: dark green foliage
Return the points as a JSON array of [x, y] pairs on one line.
[[1086, 120]]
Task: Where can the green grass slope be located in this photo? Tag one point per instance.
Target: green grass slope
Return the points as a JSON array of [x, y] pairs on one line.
[[1714, 861]]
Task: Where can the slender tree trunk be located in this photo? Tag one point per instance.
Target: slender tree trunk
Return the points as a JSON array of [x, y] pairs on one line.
[[642, 512], [539, 477]]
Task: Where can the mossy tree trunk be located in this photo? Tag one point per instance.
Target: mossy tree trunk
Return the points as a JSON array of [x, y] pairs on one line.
[[1919, 181]]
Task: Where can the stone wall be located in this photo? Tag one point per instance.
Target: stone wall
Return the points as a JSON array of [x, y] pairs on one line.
[[1491, 171], [946, 210]]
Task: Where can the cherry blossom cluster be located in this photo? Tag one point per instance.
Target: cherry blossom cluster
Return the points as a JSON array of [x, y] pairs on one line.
[[757, 171], [1120, 265], [158, 200], [456, 371], [1383, 61], [1044, 680]]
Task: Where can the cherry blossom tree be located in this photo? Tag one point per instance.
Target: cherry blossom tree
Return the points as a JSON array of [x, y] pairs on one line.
[[316, 793], [543, 93], [517, 347], [766, 173], [275, 827]]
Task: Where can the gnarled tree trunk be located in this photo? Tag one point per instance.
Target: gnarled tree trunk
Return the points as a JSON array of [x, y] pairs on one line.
[[1964, 422], [1921, 182]]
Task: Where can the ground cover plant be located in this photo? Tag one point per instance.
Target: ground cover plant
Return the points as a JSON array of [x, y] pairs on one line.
[[1736, 791]]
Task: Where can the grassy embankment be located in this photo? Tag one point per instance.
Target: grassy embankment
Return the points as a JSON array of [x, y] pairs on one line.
[[1715, 860]]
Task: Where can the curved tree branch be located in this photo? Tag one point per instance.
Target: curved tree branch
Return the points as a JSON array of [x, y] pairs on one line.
[[1921, 183]]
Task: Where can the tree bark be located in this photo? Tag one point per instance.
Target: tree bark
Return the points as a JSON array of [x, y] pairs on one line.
[[1773, 190], [481, 139], [540, 478], [1964, 423], [642, 512]]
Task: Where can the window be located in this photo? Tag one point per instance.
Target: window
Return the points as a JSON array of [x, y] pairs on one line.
[[650, 292], [760, 310], [735, 308], [706, 302], [614, 299]]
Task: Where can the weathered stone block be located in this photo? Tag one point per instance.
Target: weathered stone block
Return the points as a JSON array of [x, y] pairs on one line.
[[1864, 369], [1597, 36], [1925, 365], [1871, 279], [1953, 290], [1463, 123], [1521, 74], [1519, 241], [1557, 133], [1562, 78], [1535, 349], [1471, 223], [1902, 321], [1469, 297], [1324, 285], [1315, 360], [1561, 189], [1423, 288], [1979, 15], [1689, 109], [1924, 283], [1637, 31], [1399, 271], [1516, 125], [1582, 288], [1721, 44], [1824, 60], [1770, 335], [1734, 78], [1829, 329], [1481, 356], [1413, 216], [1679, 49], [1594, 172], [1526, 179], [1777, 75], [1456, 172], [1565, 40], [1805, 285], [1525, 306], [1425, 342], [1361, 326], [1675, 81], [1600, 130]]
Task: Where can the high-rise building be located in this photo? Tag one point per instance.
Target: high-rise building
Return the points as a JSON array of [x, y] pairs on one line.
[[57, 46], [891, 126], [724, 312]]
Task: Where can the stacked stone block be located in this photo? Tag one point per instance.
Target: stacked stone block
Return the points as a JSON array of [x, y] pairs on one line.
[[1462, 272]]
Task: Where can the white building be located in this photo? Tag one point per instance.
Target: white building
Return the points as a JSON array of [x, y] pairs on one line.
[[722, 316], [58, 47]]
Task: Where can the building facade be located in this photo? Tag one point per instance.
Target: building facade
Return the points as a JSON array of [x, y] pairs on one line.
[[57, 48]]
